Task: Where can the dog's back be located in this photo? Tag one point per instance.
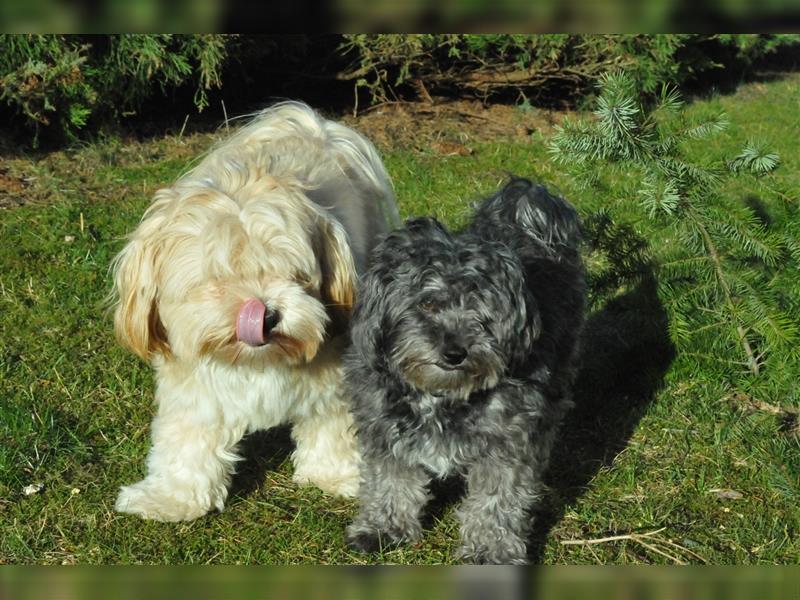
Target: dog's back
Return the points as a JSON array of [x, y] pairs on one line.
[[526, 217], [337, 168], [544, 231]]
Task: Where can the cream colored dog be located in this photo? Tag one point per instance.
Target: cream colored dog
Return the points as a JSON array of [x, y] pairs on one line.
[[230, 286]]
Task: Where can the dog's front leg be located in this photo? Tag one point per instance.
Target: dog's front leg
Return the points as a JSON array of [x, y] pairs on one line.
[[192, 458], [392, 497], [495, 514], [326, 453]]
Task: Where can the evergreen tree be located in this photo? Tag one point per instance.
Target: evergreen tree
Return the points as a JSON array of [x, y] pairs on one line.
[[721, 283]]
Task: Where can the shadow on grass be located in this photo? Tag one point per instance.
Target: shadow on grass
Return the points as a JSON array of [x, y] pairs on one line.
[[626, 353], [262, 451]]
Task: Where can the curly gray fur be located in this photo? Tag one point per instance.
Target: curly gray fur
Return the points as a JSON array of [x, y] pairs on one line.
[[462, 362]]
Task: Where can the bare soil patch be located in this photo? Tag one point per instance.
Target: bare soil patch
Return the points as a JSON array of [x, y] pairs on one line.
[[443, 127], [446, 126], [12, 189]]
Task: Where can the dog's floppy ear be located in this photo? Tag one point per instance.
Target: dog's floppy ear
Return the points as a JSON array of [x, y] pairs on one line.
[[136, 320], [339, 275]]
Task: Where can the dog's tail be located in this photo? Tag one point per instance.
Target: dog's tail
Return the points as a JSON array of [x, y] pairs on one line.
[[528, 210]]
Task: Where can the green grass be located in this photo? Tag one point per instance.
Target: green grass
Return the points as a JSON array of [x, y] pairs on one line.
[[654, 434]]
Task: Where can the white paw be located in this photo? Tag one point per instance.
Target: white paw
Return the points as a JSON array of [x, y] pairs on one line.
[[338, 484], [347, 487], [151, 500]]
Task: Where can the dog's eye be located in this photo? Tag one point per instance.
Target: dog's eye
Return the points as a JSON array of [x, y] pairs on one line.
[[429, 307]]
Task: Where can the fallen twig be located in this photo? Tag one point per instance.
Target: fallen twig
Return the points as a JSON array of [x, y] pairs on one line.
[[648, 540], [613, 538]]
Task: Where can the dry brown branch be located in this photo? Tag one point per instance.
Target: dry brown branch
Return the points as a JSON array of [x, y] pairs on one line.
[[487, 76], [748, 401]]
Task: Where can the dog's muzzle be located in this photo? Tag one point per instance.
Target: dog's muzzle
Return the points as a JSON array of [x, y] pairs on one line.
[[255, 322]]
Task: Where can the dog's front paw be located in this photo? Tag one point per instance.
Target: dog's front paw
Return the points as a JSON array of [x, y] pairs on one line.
[[346, 487], [365, 538], [364, 541], [160, 503], [497, 554], [339, 484]]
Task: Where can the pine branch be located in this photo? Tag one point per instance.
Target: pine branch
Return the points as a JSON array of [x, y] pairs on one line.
[[724, 249], [744, 232], [755, 159], [713, 253]]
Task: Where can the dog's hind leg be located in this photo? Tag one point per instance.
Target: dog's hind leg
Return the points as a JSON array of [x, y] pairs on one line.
[[391, 499]]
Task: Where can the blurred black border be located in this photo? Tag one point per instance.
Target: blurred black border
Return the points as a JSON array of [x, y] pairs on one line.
[[399, 16]]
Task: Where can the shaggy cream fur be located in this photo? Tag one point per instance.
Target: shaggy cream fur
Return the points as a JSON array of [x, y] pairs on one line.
[[285, 212]]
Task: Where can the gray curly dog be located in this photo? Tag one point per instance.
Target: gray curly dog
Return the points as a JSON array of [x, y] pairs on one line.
[[462, 362]]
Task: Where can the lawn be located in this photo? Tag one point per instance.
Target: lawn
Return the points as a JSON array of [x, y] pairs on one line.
[[670, 456]]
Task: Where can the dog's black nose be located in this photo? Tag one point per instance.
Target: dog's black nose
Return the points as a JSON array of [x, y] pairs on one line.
[[271, 319], [454, 355]]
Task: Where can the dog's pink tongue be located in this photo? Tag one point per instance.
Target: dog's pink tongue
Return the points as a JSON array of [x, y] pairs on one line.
[[250, 324]]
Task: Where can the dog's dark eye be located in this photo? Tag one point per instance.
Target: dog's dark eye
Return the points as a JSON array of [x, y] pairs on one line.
[[429, 307]]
